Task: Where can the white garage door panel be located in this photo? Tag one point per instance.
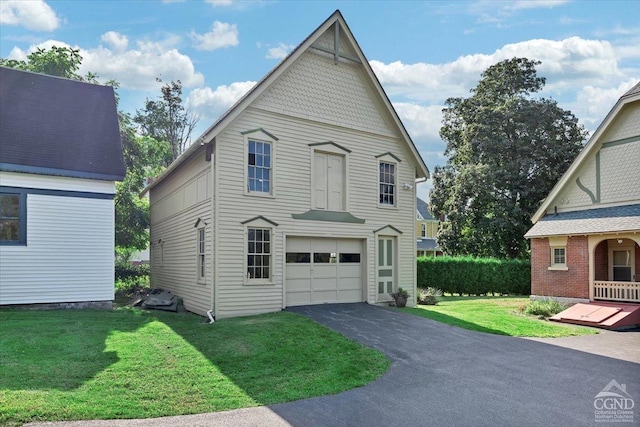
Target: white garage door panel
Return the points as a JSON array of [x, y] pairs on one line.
[[324, 279]]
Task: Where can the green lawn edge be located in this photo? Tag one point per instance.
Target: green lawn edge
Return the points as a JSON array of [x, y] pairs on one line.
[[129, 363], [494, 315]]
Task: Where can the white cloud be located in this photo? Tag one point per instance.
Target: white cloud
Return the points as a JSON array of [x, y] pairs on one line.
[[280, 51], [533, 4], [209, 104], [592, 104], [135, 68], [569, 63], [34, 15], [116, 41], [222, 34]]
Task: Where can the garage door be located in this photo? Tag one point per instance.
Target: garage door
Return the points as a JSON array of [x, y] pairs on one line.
[[323, 271]]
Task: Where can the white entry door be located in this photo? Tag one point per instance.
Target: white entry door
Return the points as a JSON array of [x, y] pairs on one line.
[[386, 267]]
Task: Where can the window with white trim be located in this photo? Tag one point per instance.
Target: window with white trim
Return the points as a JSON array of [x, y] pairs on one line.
[[558, 256], [259, 253], [387, 182], [202, 265], [423, 231], [259, 166]]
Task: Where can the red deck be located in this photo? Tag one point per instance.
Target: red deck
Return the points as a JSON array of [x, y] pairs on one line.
[[601, 315]]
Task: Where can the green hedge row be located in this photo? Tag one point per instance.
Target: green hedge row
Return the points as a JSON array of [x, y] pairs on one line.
[[475, 276]]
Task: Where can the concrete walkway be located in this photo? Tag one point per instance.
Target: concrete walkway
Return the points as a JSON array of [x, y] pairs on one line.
[[623, 345], [441, 375]]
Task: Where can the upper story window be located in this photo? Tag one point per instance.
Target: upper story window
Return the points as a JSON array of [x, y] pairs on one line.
[[259, 166], [388, 164], [13, 218], [387, 182], [423, 230], [260, 161]]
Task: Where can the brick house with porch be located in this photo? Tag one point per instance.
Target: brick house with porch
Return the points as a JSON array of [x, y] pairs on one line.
[[585, 241]]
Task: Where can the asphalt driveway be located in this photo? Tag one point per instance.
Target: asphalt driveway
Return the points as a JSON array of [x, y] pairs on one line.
[[446, 376], [441, 375]]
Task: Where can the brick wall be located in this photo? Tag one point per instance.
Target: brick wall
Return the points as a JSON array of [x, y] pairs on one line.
[[602, 261], [572, 283]]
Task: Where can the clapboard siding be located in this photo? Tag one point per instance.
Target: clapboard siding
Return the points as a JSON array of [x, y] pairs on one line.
[[176, 205], [63, 183], [71, 242], [293, 195], [310, 99]]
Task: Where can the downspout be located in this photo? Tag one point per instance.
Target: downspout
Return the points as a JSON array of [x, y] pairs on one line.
[[216, 226]]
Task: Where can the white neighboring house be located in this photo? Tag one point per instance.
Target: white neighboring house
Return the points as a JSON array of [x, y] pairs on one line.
[[302, 193], [60, 155]]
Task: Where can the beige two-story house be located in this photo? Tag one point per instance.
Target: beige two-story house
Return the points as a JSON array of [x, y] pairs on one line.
[[426, 231], [302, 193]]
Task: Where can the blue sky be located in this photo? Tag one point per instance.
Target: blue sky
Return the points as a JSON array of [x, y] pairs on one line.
[[422, 51]]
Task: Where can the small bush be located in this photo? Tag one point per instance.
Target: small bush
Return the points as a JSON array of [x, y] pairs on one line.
[[429, 296], [544, 308]]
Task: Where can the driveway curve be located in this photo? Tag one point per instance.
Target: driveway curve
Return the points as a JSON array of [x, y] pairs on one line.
[[440, 375]]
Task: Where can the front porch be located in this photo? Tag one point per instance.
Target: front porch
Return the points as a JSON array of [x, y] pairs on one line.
[[614, 268]]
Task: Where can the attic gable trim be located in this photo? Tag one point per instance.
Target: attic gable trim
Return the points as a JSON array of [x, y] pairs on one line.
[[270, 135], [389, 153], [620, 142], [260, 217], [584, 154], [320, 144]]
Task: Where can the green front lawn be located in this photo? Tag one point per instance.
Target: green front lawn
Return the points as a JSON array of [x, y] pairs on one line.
[[495, 315], [73, 365]]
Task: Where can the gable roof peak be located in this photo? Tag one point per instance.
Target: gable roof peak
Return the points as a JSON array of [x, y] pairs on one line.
[[262, 85]]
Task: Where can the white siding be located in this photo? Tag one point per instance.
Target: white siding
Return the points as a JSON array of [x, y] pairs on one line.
[[26, 180], [314, 101], [293, 183], [176, 205], [69, 253]]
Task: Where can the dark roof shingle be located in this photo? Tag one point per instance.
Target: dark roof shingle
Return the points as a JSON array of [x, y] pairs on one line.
[[55, 126], [423, 208], [590, 221]]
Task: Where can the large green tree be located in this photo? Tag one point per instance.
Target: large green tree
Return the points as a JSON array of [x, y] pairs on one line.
[[506, 149], [167, 120], [143, 156]]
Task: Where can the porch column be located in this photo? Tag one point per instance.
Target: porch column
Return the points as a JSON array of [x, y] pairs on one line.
[[593, 242]]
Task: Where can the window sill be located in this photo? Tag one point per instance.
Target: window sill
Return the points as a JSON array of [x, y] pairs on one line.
[[387, 207], [558, 268], [257, 194], [250, 282]]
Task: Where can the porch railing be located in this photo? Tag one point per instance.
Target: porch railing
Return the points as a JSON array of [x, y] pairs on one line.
[[617, 291]]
